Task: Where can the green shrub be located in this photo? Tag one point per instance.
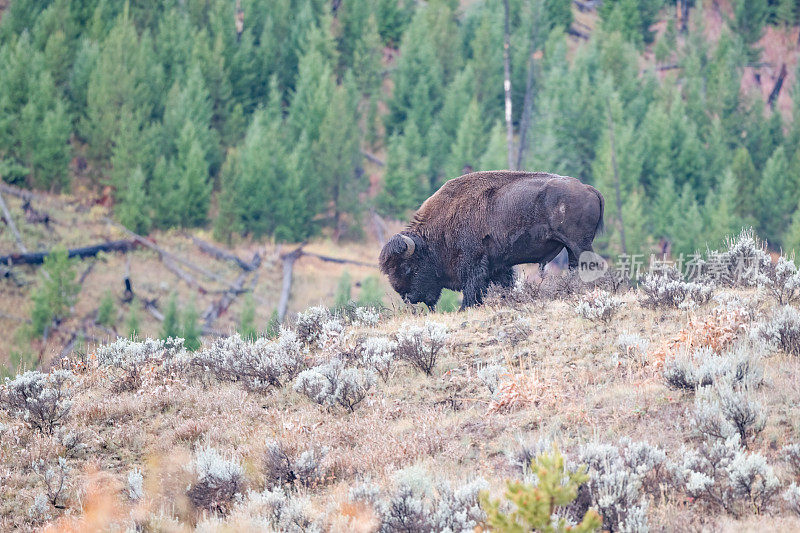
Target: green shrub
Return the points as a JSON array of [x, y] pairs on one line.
[[535, 505], [371, 293], [56, 293], [448, 302], [106, 314], [342, 297], [247, 319]]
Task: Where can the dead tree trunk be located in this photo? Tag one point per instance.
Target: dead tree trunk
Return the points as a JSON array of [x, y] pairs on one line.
[[288, 266], [776, 89], [507, 84], [12, 226]]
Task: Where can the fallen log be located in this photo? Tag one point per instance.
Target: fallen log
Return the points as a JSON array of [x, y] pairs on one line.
[[37, 258], [168, 255], [222, 255], [219, 307]]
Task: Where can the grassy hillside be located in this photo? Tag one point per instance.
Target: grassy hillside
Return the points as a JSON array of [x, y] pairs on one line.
[[251, 437]]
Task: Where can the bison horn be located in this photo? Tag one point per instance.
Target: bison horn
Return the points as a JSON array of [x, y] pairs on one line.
[[409, 246]]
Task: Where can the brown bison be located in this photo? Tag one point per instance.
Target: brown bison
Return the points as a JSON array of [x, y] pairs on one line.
[[474, 229]]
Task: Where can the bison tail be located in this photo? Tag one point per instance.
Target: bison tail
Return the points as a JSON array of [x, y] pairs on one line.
[[600, 224]]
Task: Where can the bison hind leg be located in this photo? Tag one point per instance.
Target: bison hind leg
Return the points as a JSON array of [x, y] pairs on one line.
[[503, 277]]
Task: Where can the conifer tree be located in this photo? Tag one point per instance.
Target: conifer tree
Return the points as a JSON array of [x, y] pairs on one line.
[[171, 327], [398, 194], [470, 143], [777, 196], [719, 211], [337, 153], [126, 79], [57, 291], [133, 323], [106, 314], [247, 319], [746, 180], [495, 157], [133, 210], [190, 327]]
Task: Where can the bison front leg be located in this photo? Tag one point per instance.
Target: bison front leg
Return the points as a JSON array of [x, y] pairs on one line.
[[474, 282]]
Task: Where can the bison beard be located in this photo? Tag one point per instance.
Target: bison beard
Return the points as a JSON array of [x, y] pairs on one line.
[[474, 229]]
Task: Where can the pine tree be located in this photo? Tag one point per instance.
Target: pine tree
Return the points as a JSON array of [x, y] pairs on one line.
[[106, 314], [133, 323], [133, 210], [126, 79], [171, 327], [419, 77], [337, 154], [247, 319], [791, 240], [193, 186], [190, 103], [312, 97], [623, 16], [398, 194], [56, 293], [687, 232], [746, 180], [470, 143], [190, 327], [719, 211], [748, 22], [496, 155], [487, 65], [777, 196]]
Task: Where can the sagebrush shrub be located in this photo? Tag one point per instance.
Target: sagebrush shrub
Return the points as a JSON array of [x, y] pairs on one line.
[[276, 510], [490, 376], [721, 474], [378, 355], [667, 288], [288, 469], [791, 454], [308, 324], [332, 383], [701, 367], [56, 479], [782, 331], [126, 361], [784, 281], [135, 484], [792, 497], [421, 345], [598, 305], [745, 262], [257, 364], [41, 400], [633, 347], [417, 504], [617, 480], [723, 411], [218, 481]]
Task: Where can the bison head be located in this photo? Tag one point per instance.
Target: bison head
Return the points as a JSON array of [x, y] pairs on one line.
[[411, 269]]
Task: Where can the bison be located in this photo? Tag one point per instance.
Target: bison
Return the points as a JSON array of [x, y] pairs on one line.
[[476, 227]]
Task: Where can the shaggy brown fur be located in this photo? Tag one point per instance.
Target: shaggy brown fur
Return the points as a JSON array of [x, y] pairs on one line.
[[474, 229]]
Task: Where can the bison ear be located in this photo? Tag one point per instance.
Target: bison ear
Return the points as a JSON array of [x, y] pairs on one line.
[[399, 244]]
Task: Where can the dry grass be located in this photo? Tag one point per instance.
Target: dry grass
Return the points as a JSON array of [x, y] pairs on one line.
[[565, 381]]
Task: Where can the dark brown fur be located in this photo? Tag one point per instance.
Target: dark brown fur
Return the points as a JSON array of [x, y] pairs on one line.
[[474, 229]]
